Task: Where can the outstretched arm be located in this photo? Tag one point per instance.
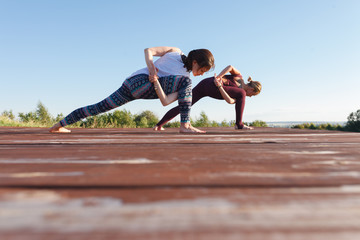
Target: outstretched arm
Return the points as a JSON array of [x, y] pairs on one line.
[[156, 51], [218, 82], [164, 99]]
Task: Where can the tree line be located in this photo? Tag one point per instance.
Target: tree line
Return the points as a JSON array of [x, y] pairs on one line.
[[41, 117], [352, 124]]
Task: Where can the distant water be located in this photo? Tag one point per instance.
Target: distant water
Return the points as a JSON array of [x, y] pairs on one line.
[[290, 124]]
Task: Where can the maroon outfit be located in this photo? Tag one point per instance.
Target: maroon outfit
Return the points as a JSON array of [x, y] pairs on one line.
[[207, 88]]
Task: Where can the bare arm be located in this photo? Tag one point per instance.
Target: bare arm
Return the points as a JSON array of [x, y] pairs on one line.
[[156, 51], [231, 70], [164, 99], [153, 78], [227, 98]]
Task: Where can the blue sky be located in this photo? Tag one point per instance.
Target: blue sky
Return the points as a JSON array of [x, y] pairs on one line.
[[68, 54]]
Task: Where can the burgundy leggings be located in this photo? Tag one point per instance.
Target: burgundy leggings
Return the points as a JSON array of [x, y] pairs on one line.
[[207, 88]]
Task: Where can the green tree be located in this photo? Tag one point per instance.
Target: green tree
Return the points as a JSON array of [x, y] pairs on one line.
[[116, 119], [146, 119], [59, 117], [203, 121], [330, 127], [175, 124], [258, 123], [28, 117], [214, 124], [8, 114], [224, 123], [353, 123], [339, 128], [42, 113], [123, 119]]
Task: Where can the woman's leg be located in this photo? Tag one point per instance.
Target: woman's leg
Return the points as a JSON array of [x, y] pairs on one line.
[[207, 88], [239, 94], [118, 98], [184, 99], [201, 90], [234, 92], [182, 85]]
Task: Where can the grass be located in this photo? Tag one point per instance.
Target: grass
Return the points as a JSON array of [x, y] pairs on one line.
[[7, 122]]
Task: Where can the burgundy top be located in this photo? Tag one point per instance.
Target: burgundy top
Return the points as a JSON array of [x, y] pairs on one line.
[[231, 81]]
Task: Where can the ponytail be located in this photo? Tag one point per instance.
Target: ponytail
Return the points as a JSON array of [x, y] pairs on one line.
[[255, 85], [187, 62]]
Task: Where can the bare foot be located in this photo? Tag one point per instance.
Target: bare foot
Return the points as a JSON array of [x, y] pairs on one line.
[[190, 129], [158, 128], [244, 128], [57, 128]]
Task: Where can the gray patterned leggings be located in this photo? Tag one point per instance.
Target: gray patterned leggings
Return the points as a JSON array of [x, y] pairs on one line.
[[138, 87]]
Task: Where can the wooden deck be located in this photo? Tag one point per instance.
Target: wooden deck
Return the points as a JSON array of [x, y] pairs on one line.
[[268, 183]]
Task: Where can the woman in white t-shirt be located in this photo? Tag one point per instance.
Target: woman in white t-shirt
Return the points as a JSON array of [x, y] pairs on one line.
[[170, 73]]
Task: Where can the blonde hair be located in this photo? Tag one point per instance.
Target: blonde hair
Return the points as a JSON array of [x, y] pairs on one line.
[[255, 85]]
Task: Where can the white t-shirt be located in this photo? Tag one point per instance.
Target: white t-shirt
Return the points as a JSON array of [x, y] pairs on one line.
[[169, 64]]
